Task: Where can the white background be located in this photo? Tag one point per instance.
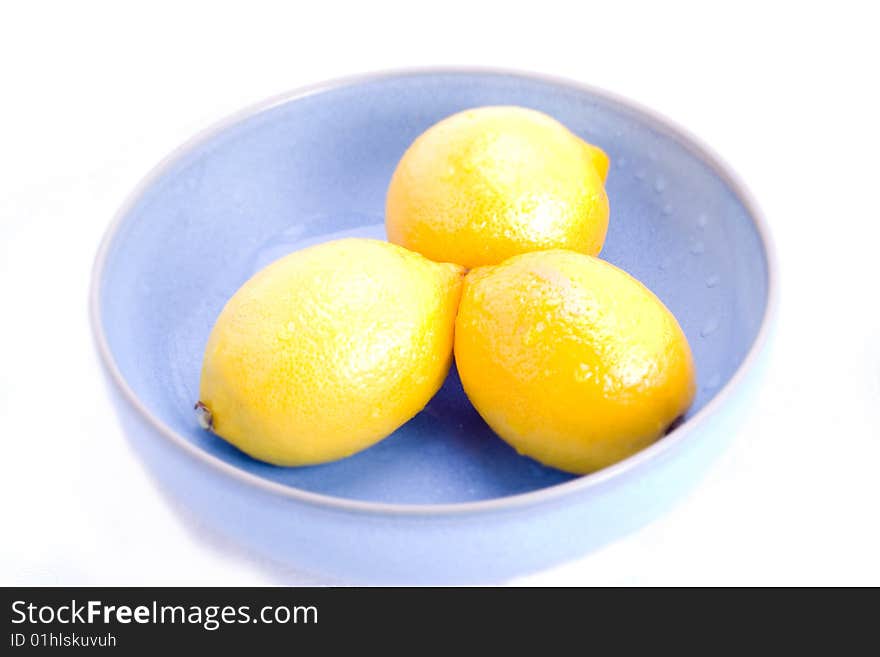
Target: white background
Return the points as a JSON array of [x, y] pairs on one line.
[[92, 95]]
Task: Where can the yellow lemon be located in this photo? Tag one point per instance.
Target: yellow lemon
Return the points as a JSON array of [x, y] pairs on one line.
[[493, 182], [328, 350], [570, 359]]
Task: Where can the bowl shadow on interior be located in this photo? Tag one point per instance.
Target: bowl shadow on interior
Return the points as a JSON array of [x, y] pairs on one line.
[[445, 454]]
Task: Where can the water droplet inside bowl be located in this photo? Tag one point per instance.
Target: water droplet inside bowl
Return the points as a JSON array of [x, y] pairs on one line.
[[660, 184], [713, 280], [712, 382], [709, 327]]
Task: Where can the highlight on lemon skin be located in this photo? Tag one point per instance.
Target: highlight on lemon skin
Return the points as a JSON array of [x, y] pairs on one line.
[[328, 350], [571, 360], [492, 182]]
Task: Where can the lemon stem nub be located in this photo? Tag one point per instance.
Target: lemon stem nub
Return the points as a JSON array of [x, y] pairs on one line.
[[204, 417]]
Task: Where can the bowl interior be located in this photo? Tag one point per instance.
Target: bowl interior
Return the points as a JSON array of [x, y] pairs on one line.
[[316, 167]]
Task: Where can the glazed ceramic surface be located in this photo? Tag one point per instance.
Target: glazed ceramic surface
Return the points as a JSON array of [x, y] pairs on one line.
[[442, 499]]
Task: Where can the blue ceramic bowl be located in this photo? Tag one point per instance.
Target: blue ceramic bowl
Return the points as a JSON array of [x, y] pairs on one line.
[[442, 499]]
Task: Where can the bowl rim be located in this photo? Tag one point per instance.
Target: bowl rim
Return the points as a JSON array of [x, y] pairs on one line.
[[551, 493]]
